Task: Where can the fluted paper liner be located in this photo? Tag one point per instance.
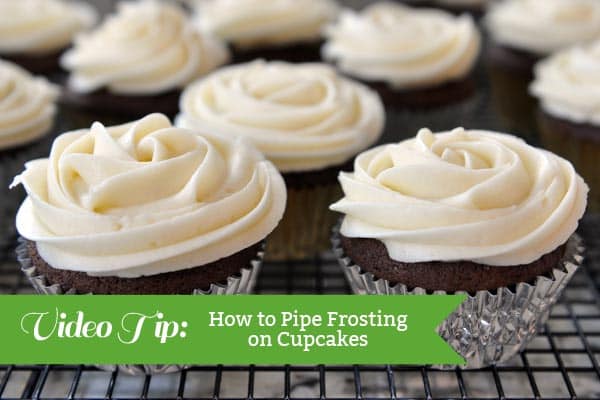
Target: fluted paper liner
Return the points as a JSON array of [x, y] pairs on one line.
[[236, 284], [487, 328]]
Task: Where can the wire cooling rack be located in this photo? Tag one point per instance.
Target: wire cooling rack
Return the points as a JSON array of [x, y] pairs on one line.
[[563, 362]]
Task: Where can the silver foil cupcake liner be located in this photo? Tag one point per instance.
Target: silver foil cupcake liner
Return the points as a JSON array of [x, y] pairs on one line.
[[487, 328], [236, 284]]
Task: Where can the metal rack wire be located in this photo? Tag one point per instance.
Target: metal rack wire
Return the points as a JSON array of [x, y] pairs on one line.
[[563, 362]]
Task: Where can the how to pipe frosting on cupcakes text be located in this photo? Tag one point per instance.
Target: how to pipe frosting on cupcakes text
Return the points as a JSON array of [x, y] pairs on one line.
[[309, 330]]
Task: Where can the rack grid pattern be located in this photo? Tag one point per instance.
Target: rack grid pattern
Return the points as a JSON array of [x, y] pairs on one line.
[[563, 362]]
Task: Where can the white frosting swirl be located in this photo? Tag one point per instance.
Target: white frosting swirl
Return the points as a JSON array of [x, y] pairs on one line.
[[462, 195], [568, 84], [147, 47], [256, 23], [406, 47], [301, 116], [41, 26], [147, 198], [27, 105], [544, 26]]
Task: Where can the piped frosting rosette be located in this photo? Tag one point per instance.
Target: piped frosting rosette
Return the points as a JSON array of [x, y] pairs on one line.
[[301, 116], [544, 26], [147, 198], [252, 23], [148, 47], [41, 26], [568, 84], [27, 105], [405, 47], [462, 195]]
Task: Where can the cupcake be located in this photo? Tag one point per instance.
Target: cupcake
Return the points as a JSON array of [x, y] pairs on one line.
[[416, 58], [309, 121], [288, 30], [464, 211], [33, 33], [137, 61], [523, 32], [147, 208], [27, 114], [27, 106], [568, 87]]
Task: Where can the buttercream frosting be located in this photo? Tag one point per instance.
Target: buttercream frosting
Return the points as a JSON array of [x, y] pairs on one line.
[[147, 198], [406, 47], [460, 195], [568, 84], [301, 116], [255, 23], [147, 47], [41, 26], [542, 27], [27, 105]]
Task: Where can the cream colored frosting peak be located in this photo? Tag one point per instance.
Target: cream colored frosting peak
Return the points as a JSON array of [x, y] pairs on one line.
[[544, 26], [406, 47], [462, 195], [147, 47], [301, 116], [254, 23], [41, 26], [147, 198], [27, 105], [568, 84]]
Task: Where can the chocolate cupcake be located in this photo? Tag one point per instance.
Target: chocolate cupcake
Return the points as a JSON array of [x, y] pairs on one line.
[[147, 208], [27, 106], [33, 33], [464, 211], [288, 30], [568, 87], [306, 119], [136, 63], [523, 32], [416, 58]]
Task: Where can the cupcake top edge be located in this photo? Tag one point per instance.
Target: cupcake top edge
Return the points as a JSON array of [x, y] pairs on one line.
[[568, 84], [27, 105], [541, 27], [38, 27], [408, 48], [146, 198], [147, 47], [301, 116], [462, 195], [265, 23]]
